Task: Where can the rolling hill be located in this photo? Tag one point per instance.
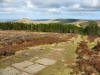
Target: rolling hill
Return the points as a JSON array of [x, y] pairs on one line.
[[64, 21], [77, 22], [25, 20]]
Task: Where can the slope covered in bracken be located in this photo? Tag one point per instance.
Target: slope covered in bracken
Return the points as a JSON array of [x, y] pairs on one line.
[[88, 60]]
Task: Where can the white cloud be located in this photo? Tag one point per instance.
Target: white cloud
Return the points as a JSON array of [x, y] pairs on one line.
[[95, 3], [52, 5], [30, 5], [49, 6], [52, 10], [76, 6]]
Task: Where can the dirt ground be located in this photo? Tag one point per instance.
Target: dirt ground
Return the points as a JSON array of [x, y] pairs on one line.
[[10, 33], [63, 53], [61, 49], [11, 43]]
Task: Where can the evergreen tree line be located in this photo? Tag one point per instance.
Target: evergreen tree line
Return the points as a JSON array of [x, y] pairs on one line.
[[60, 28], [91, 29]]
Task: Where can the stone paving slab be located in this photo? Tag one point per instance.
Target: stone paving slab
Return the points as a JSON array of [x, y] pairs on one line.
[[1, 71], [9, 71], [45, 61], [22, 65], [34, 68], [27, 67]]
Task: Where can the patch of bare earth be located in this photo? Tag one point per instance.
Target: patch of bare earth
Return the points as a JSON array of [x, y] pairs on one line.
[[11, 43]]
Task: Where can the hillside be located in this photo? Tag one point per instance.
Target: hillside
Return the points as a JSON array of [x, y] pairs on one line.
[[62, 21], [85, 23], [25, 20], [66, 20], [77, 22]]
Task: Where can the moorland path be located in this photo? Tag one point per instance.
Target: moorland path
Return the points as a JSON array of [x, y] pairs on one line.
[[62, 53]]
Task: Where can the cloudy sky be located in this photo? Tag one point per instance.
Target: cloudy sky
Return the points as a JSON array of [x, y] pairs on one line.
[[50, 9]]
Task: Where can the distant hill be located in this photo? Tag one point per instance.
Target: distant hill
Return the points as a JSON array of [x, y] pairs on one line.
[[66, 20], [77, 22], [41, 19], [25, 20], [84, 24], [46, 21], [98, 21]]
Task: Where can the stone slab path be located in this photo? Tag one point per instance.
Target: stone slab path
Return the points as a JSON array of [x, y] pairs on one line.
[[27, 67], [45, 61]]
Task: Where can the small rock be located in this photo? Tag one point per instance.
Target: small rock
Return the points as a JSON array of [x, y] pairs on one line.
[[36, 57], [42, 49], [60, 49], [66, 65], [38, 50], [63, 60], [26, 54]]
